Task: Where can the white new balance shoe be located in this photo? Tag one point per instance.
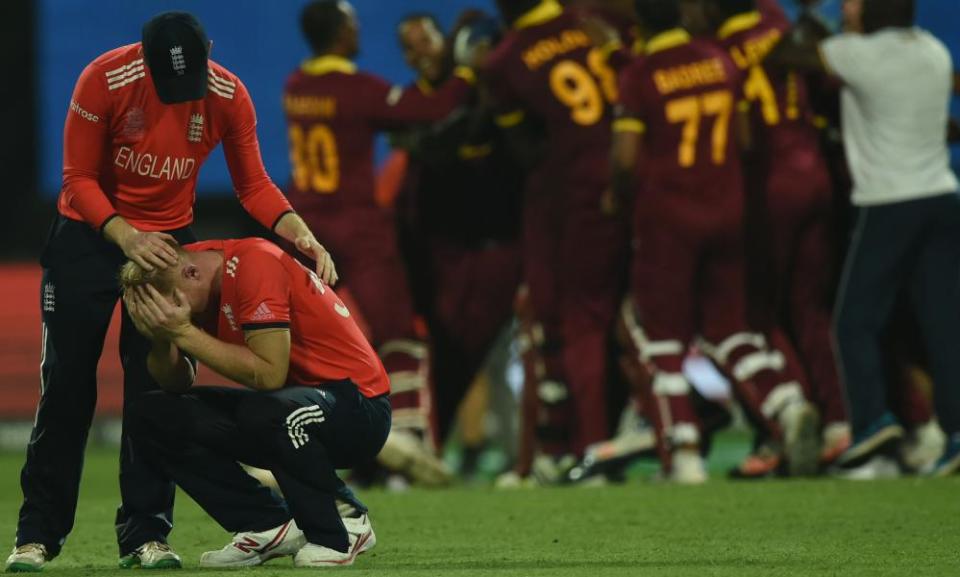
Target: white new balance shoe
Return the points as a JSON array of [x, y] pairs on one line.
[[362, 539], [250, 549], [360, 527], [28, 558]]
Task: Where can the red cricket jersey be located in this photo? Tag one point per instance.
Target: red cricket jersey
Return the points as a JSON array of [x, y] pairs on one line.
[[682, 96], [333, 114], [127, 153], [547, 70], [262, 286], [782, 119]]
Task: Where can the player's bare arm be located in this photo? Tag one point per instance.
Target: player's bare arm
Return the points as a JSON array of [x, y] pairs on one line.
[[292, 228], [261, 365]]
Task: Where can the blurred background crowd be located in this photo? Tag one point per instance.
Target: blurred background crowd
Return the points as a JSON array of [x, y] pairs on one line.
[[527, 357]]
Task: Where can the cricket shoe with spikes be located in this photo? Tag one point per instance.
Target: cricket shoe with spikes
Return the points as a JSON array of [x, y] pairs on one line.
[[250, 549], [27, 558], [151, 555]]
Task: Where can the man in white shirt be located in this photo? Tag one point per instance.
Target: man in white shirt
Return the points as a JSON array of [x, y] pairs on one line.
[[894, 107]]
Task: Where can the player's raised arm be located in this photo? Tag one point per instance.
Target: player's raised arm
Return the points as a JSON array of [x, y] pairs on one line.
[[397, 107], [259, 195], [88, 122]]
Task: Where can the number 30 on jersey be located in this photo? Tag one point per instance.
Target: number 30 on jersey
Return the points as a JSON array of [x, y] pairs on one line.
[[313, 154]]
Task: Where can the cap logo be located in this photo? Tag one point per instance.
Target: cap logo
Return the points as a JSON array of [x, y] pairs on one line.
[[176, 57]]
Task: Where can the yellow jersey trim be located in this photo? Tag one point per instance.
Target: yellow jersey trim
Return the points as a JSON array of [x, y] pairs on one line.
[[629, 125], [471, 152], [465, 73], [326, 64], [666, 40], [545, 11], [509, 119], [424, 85], [738, 23]]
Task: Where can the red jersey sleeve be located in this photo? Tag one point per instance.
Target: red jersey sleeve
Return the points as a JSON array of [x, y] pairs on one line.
[[85, 140], [258, 194], [395, 106], [262, 290]]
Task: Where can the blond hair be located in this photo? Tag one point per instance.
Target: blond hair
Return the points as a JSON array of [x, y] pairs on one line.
[[164, 280]]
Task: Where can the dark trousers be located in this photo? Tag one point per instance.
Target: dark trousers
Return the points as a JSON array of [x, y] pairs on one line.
[[301, 434], [78, 294], [913, 245]]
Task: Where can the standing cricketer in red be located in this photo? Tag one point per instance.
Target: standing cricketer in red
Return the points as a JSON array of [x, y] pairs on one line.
[[334, 113], [141, 122]]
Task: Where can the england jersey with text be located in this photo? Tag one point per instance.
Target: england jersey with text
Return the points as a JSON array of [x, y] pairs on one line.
[[127, 153]]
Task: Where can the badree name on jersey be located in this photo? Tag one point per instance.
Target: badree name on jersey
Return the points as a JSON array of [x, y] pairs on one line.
[[324, 106], [700, 73]]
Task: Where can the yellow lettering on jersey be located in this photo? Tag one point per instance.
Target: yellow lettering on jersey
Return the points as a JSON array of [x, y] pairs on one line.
[[549, 48], [702, 73], [321, 106], [755, 50]]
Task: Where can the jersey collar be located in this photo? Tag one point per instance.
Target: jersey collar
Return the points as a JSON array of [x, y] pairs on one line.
[[326, 64], [668, 39], [543, 12], [738, 23]]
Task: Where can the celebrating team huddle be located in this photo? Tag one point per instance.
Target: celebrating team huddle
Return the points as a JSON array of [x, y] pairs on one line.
[[638, 184]]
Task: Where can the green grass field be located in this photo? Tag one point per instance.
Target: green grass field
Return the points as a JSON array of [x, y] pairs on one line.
[[908, 527]]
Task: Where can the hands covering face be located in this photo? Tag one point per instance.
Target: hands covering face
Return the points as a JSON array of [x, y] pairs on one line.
[[155, 316]]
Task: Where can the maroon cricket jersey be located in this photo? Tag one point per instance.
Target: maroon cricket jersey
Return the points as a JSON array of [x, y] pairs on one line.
[[546, 70], [682, 97], [333, 114], [782, 119]]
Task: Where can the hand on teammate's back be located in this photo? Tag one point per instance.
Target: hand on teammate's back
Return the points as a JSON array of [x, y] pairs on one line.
[[326, 270], [149, 249]]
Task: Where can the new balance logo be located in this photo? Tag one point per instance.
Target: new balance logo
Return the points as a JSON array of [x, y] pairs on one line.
[[195, 129], [263, 313], [231, 266], [299, 419], [176, 58], [248, 545]]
